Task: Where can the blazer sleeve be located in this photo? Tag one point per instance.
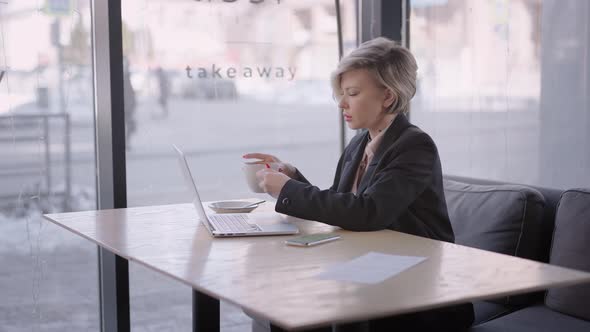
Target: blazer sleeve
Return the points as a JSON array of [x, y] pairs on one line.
[[395, 186], [300, 178]]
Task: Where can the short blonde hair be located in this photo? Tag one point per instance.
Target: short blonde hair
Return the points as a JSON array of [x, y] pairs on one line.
[[392, 66]]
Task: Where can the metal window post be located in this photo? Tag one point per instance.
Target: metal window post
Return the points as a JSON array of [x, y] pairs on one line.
[[387, 18], [110, 155]]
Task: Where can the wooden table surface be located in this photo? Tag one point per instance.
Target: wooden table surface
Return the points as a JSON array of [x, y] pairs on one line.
[[277, 282]]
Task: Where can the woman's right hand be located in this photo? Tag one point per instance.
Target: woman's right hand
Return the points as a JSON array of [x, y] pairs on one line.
[[264, 158]]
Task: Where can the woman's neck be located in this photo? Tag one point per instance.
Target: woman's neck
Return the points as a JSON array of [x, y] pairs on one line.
[[381, 125]]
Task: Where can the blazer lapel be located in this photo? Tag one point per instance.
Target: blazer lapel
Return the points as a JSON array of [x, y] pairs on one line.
[[391, 135], [352, 165]]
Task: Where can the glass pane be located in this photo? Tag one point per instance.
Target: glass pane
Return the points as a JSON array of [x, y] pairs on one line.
[[49, 276], [221, 79], [503, 88]]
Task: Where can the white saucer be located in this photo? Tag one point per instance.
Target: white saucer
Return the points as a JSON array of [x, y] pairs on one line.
[[231, 207]]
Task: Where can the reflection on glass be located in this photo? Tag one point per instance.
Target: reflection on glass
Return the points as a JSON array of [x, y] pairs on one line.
[[46, 165]]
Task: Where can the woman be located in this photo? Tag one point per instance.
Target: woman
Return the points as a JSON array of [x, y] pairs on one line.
[[389, 176]]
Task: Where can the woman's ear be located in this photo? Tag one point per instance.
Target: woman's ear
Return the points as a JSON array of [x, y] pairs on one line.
[[389, 99]]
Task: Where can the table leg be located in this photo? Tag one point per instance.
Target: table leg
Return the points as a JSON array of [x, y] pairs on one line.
[[352, 327], [274, 328], [205, 313]]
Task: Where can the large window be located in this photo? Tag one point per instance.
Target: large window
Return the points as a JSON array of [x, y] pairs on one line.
[[48, 278], [503, 87], [220, 79], [217, 78]]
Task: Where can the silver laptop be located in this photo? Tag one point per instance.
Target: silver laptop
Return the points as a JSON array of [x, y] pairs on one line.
[[234, 224]]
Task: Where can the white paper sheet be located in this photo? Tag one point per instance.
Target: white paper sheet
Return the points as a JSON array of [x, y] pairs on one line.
[[371, 268]]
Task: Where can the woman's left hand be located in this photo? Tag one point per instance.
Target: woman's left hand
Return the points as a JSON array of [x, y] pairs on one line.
[[271, 181]]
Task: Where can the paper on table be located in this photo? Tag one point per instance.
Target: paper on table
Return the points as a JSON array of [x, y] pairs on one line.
[[371, 268]]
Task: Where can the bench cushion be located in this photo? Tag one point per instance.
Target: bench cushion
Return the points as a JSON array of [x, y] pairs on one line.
[[502, 218], [534, 319], [571, 248]]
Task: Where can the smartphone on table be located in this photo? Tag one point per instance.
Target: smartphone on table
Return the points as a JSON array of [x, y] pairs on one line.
[[311, 240]]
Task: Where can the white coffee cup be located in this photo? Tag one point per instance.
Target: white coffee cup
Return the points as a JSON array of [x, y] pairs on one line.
[[250, 170]]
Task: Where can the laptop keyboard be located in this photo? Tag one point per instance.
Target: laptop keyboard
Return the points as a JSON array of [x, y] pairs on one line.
[[233, 223]]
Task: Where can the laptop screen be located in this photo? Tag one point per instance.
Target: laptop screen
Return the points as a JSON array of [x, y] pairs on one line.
[[190, 182]]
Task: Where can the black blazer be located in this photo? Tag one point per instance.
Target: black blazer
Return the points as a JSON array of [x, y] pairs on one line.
[[401, 189]]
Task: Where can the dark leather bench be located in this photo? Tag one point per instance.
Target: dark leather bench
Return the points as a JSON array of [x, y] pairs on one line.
[[542, 224]]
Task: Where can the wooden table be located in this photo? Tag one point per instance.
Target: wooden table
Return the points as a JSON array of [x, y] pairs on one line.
[[277, 282]]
